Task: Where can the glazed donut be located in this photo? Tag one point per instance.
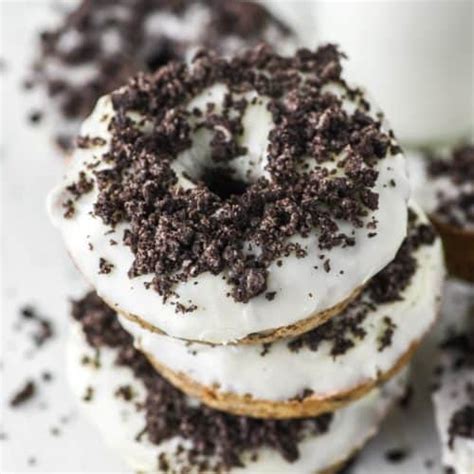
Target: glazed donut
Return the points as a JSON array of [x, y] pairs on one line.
[[443, 184], [97, 46], [326, 368], [234, 200], [136, 410]]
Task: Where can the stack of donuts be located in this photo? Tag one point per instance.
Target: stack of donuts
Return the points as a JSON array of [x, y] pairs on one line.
[[260, 276]]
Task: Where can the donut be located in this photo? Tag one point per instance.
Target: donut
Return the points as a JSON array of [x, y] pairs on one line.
[[453, 400], [326, 368], [156, 428], [443, 184], [234, 200], [96, 46]]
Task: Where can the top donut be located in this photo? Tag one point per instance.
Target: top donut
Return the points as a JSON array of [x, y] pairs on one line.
[[227, 198], [100, 44]]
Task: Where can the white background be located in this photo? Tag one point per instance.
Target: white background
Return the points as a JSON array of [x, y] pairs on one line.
[[36, 270]]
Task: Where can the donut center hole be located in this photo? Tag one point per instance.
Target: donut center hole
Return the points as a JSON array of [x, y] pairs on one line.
[[223, 183]]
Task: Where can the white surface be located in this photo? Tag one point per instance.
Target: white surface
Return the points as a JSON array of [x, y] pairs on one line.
[[35, 269]]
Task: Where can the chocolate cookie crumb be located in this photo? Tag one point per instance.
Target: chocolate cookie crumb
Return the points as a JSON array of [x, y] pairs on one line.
[[44, 327], [459, 169], [26, 393], [461, 424], [115, 40], [105, 267], [89, 395], [396, 455], [222, 223], [125, 392], [343, 331], [385, 339], [35, 117], [218, 439]]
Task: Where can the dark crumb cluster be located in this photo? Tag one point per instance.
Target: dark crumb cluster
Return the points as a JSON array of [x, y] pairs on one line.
[[24, 394], [176, 233], [83, 36], [462, 424], [459, 168], [396, 455], [214, 435], [461, 346], [385, 287], [44, 330]]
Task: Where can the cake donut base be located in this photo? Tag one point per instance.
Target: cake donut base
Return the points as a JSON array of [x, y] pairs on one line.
[[297, 408], [292, 330]]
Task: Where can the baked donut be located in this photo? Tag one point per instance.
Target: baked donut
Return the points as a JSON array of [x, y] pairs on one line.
[[234, 200], [156, 428], [331, 365], [97, 46], [453, 401], [443, 184]]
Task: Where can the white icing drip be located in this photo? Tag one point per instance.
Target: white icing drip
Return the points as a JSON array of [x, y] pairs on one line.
[[302, 290], [317, 370], [119, 421]]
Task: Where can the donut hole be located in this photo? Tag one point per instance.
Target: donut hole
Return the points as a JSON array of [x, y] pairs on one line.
[[223, 182]]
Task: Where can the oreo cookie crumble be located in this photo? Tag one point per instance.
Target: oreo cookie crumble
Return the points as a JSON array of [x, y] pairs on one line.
[[114, 39], [23, 395], [342, 331], [459, 169], [44, 330], [460, 347], [320, 171], [461, 424], [220, 441]]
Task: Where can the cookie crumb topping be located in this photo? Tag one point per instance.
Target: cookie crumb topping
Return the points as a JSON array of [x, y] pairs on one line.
[[386, 287], [220, 441], [320, 168]]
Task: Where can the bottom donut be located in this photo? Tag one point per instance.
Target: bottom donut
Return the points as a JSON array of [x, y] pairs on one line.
[[157, 428]]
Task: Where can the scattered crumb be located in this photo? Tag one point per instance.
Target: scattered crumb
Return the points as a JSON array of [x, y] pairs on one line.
[[89, 395], [396, 455], [24, 394]]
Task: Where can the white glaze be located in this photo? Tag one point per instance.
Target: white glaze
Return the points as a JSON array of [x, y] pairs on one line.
[[119, 422], [427, 191], [447, 400], [301, 289], [240, 369]]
